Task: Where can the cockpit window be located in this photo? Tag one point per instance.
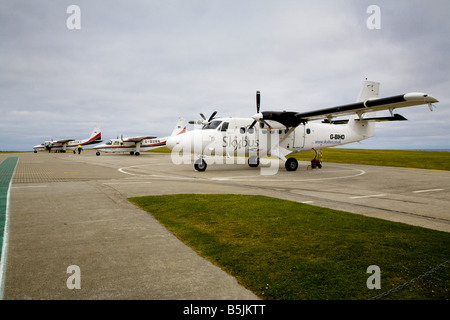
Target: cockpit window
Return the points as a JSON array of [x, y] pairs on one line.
[[109, 142], [224, 127], [212, 125]]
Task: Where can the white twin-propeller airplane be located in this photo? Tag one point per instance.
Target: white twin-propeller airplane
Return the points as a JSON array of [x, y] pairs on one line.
[[134, 145], [69, 144], [280, 133]]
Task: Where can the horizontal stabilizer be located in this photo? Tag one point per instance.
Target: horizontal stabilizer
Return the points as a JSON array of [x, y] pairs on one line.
[[395, 117], [344, 121]]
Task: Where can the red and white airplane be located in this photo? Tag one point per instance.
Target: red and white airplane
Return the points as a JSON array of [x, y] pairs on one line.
[[134, 145], [280, 133], [69, 144]]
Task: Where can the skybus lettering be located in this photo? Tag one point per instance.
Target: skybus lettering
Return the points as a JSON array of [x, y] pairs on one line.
[[239, 143]]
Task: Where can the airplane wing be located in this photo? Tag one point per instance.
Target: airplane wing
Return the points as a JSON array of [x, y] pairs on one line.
[[63, 141], [293, 119], [138, 139]]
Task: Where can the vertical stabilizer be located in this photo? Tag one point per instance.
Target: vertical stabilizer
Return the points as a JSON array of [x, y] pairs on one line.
[[96, 135], [179, 128], [95, 132], [369, 90], [365, 129]]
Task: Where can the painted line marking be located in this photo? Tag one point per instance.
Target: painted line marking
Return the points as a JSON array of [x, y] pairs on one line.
[[9, 174], [276, 177], [25, 187], [369, 196], [429, 190], [131, 182]]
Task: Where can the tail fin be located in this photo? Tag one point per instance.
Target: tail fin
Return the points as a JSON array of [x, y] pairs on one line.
[[96, 135], [179, 128], [369, 90], [365, 129]]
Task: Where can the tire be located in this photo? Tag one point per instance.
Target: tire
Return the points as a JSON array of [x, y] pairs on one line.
[[97, 153], [253, 161], [136, 153], [200, 165], [291, 164]]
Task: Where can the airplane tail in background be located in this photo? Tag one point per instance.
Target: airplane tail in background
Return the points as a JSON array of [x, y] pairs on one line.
[[179, 128], [96, 136]]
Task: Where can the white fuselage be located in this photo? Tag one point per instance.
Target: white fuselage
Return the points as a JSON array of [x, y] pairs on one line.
[[70, 144], [232, 137], [118, 145]]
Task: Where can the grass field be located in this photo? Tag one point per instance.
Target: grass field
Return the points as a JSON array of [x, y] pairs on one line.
[[437, 160], [285, 250]]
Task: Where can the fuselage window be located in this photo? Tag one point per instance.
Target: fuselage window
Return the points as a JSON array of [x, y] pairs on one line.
[[308, 131]]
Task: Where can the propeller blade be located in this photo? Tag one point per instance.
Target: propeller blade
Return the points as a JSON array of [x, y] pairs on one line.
[[258, 101], [203, 116], [253, 123], [212, 116]]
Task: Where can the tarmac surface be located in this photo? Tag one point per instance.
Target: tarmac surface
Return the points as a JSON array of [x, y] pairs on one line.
[[68, 209]]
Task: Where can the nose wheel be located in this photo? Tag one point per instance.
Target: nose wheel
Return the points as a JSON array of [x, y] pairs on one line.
[[200, 165]]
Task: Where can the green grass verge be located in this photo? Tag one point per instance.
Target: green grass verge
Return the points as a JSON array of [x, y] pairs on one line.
[[285, 250], [437, 160]]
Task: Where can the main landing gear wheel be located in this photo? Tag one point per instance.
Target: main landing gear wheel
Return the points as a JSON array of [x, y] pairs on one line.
[[253, 161], [291, 164], [200, 165], [97, 153], [136, 153]]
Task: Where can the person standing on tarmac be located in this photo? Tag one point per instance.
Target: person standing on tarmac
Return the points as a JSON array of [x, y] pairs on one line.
[[79, 149]]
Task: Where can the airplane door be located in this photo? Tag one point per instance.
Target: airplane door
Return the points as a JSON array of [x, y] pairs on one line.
[[299, 136], [251, 140], [261, 140]]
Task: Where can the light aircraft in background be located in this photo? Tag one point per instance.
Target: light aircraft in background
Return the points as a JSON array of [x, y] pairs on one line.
[[281, 133], [69, 144], [134, 145]]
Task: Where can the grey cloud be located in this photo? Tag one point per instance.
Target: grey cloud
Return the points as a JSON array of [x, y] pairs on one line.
[[135, 67]]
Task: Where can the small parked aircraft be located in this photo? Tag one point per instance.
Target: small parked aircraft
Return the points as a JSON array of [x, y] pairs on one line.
[[69, 144], [280, 133], [134, 145]]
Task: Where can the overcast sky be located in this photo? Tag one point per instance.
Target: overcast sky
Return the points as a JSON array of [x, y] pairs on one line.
[[135, 67]]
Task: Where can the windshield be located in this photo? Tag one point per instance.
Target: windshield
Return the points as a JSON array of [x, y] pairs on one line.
[[212, 125], [109, 143]]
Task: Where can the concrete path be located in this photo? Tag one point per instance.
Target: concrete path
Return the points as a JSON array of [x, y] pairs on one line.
[[71, 209]]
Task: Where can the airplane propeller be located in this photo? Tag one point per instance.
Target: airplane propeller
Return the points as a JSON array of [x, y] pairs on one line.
[[204, 121], [258, 117]]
